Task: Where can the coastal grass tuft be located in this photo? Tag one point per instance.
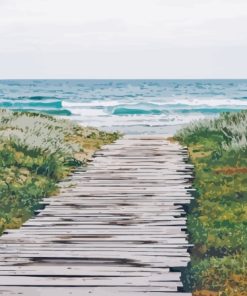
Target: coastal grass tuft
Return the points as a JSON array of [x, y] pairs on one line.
[[36, 151], [217, 219]]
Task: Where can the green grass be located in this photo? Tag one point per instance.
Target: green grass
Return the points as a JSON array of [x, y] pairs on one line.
[[217, 219], [36, 151]]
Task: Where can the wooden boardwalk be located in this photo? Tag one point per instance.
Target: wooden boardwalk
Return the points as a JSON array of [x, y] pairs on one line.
[[117, 228]]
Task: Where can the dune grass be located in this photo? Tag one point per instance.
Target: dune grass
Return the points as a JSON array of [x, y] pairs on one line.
[[36, 151], [217, 219]]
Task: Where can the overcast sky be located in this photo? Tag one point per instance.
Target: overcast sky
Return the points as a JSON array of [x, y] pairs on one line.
[[123, 39]]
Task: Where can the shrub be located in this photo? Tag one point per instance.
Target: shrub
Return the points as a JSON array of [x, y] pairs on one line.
[[217, 219]]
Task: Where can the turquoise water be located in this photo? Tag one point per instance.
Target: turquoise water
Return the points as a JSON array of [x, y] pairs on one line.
[[131, 106]]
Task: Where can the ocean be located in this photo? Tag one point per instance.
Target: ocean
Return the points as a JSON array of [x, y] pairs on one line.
[[129, 106]]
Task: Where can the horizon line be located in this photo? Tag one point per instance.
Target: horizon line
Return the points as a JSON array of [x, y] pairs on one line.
[[4, 79]]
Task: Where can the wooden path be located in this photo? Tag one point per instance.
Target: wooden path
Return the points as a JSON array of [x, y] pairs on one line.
[[116, 229]]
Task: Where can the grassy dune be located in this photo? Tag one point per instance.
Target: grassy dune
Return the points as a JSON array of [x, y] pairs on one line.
[[36, 151], [217, 220]]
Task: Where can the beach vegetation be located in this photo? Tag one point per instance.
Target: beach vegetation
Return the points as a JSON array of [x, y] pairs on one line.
[[217, 218]]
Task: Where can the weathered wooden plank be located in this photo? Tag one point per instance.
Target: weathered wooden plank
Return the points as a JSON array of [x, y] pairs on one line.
[[44, 291], [84, 272], [155, 281]]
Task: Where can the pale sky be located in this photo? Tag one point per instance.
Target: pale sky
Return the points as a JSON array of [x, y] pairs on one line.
[[123, 39]]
